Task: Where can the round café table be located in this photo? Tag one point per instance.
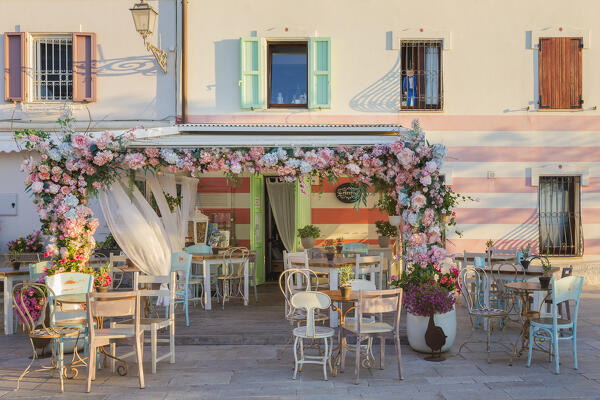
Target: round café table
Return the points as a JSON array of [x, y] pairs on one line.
[[523, 289]]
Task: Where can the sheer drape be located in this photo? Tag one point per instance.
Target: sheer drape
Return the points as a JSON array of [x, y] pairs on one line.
[[432, 70], [136, 228], [172, 220], [189, 190], [281, 197]]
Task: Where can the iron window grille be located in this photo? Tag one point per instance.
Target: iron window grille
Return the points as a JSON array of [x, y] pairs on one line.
[[560, 229], [423, 90], [53, 68]]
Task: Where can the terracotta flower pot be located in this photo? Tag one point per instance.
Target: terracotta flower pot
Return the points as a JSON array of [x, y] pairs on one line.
[[384, 242], [308, 243]]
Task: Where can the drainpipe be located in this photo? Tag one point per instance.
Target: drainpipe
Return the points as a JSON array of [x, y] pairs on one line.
[[184, 16], [178, 8]]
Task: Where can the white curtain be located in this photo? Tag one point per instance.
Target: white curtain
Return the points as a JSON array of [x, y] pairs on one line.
[[432, 71], [172, 220], [136, 228], [189, 190], [281, 197]]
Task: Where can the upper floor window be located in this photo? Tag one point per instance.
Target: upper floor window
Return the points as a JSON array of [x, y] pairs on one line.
[[52, 68], [560, 231], [63, 67], [421, 75], [287, 75], [560, 73]]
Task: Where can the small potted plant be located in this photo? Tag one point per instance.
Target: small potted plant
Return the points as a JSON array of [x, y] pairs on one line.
[[488, 246], [388, 205], [31, 243], [386, 231], [329, 249], [525, 253], [547, 267], [346, 274], [308, 234], [102, 279], [339, 245]]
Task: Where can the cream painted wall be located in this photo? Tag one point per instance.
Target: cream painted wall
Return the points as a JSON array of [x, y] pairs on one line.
[[490, 68], [131, 86]]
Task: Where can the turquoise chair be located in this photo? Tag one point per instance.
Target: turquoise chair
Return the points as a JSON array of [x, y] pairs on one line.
[[70, 283], [181, 263], [362, 248], [197, 280], [564, 289], [37, 270], [479, 262]]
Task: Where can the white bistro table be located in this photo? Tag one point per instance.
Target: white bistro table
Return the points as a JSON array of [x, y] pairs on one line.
[[9, 277], [331, 269], [207, 261]]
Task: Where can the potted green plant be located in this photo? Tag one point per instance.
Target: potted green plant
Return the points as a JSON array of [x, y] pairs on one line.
[[388, 205], [339, 245], [546, 267], [308, 234], [346, 274], [525, 253], [386, 231], [31, 243], [329, 249]]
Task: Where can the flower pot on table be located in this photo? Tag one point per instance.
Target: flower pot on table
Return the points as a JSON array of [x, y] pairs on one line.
[[308, 243], [384, 241], [525, 264], [16, 265], [416, 326], [345, 291], [330, 256], [544, 281]]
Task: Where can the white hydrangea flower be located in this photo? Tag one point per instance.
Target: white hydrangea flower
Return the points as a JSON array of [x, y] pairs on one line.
[[169, 156], [270, 159], [71, 200], [54, 155], [305, 167], [282, 154], [292, 163]]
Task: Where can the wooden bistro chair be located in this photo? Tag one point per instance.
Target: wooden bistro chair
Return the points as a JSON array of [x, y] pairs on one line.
[[557, 328], [37, 328], [309, 301], [374, 302], [181, 263], [373, 271], [117, 260], [196, 278], [143, 285], [110, 305]]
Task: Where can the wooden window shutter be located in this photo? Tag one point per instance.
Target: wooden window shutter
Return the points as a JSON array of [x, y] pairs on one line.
[[319, 73], [14, 66], [84, 67], [560, 73], [251, 74]]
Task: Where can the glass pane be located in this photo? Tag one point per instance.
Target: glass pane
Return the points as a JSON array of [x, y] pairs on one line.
[[288, 75]]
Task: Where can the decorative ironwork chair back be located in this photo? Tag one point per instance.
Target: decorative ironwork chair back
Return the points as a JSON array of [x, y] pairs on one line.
[[38, 290], [235, 258], [305, 277], [473, 281]]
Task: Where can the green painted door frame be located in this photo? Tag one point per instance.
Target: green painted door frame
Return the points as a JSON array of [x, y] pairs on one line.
[[302, 212], [257, 222]]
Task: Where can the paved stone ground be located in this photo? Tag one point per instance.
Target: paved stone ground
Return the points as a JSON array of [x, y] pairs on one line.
[[253, 372]]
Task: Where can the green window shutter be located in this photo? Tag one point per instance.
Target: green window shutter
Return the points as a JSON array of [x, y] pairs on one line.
[[257, 234], [319, 76], [302, 211], [251, 75]]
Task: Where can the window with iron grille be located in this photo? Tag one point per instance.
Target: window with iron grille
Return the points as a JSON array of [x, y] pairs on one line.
[[421, 75], [560, 230], [52, 68]]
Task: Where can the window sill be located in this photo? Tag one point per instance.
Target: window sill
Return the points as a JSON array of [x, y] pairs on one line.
[[420, 110], [543, 110]]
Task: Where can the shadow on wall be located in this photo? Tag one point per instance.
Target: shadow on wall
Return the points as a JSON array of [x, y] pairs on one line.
[[521, 236], [145, 65], [227, 75], [383, 95]]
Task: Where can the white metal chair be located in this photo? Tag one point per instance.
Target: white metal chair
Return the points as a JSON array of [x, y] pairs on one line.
[[110, 305], [117, 260], [472, 280], [232, 280], [252, 258], [309, 301], [374, 302], [143, 284]]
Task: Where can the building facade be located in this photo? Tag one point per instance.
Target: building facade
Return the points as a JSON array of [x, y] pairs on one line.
[[509, 87]]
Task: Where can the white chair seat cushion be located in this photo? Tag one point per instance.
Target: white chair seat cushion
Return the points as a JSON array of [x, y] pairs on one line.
[[114, 333], [320, 332], [372, 327]]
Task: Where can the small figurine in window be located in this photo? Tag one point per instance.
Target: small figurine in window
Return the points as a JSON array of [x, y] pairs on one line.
[[409, 88]]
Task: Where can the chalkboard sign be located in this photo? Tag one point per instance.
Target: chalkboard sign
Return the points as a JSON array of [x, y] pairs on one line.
[[347, 193]]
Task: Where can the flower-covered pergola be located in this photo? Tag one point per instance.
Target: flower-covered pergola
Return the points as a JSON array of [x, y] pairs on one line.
[[74, 166]]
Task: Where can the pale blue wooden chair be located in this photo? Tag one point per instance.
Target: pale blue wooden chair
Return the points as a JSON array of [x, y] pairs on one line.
[[362, 248], [547, 328], [181, 263], [37, 270], [70, 315], [197, 279]]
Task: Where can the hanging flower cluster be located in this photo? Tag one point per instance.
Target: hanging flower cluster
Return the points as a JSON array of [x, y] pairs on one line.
[[74, 166]]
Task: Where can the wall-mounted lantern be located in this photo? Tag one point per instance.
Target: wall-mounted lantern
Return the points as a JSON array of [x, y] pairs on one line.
[[144, 18]]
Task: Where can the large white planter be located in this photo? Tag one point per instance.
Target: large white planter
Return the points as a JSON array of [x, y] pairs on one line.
[[395, 220], [417, 325]]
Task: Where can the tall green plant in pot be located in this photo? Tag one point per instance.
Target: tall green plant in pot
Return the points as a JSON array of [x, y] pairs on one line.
[[386, 232], [308, 234], [388, 205], [346, 274]]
